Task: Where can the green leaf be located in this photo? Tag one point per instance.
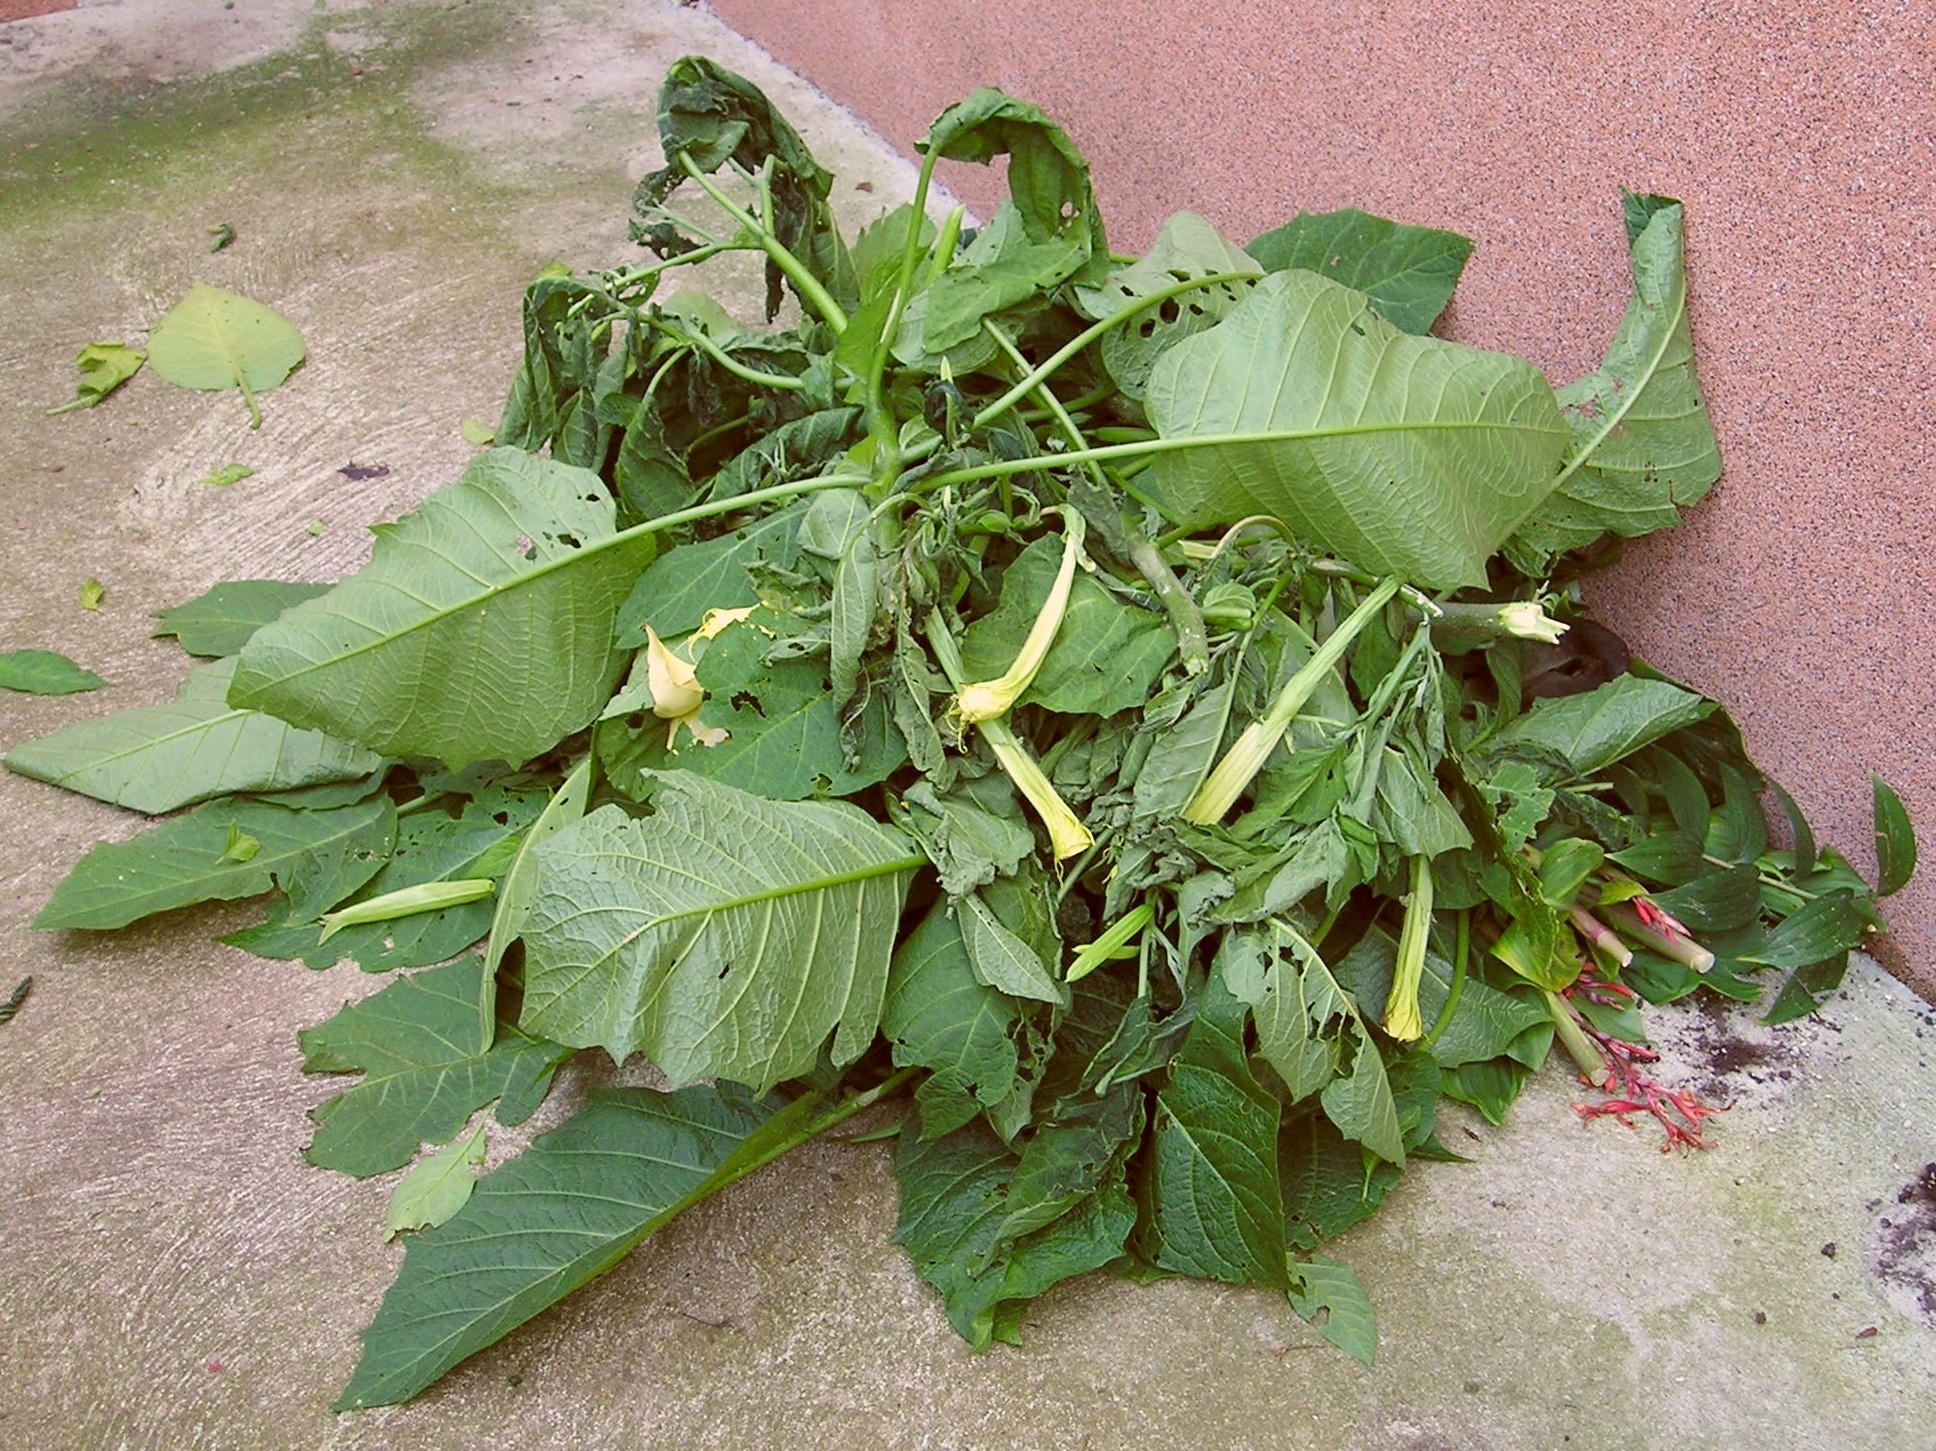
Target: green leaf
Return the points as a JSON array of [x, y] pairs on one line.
[[185, 860], [1187, 247], [1717, 902], [1325, 1288], [43, 672], [936, 1015], [214, 340], [432, 847], [104, 367], [1607, 724], [1895, 841], [406, 902], [1107, 656], [421, 1080], [562, 1213], [1798, 830], [221, 621], [1491, 1087], [1214, 1209], [1667, 856], [725, 936], [1181, 757], [954, 1195], [228, 474], [673, 595], [1329, 1183], [796, 450], [1827, 927], [1407, 455], [241, 847], [1564, 867], [92, 593], [1643, 447], [1409, 273], [1003, 961], [155, 758], [973, 833], [1807, 989], [437, 1186], [481, 629]]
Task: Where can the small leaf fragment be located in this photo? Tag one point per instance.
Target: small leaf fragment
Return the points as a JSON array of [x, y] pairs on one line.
[[477, 433], [241, 846], [104, 367], [228, 474], [437, 1186], [92, 593]]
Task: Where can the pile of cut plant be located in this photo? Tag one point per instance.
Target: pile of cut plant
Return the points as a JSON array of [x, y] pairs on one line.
[[1128, 724]]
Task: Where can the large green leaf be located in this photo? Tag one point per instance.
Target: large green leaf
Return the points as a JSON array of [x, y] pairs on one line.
[[188, 860], [1406, 455], [221, 620], [674, 594], [1643, 447], [422, 1078], [1214, 1207], [214, 339], [481, 629], [938, 1016], [155, 758], [1409, 273], [566, 1210], [726, 936]]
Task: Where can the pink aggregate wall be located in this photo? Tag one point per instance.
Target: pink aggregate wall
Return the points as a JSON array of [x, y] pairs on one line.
[[1802, 138]]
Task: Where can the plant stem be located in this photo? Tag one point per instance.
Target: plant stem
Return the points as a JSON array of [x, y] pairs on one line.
[[1667, 944], [1461, 964], [796, 271], [733, 365], [1592, 1062]]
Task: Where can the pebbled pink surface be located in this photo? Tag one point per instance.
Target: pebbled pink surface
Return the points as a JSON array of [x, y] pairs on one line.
[[1803, 140]]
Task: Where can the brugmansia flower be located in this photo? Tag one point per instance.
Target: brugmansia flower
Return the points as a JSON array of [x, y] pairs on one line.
[[1402, 1018], [991, 699], [676, 692]]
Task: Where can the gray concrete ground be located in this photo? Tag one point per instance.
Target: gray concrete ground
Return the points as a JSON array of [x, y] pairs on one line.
[[173, 1275]]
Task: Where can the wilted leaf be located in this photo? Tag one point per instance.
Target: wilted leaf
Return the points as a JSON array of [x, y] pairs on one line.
[[214, 339], [104, 367]]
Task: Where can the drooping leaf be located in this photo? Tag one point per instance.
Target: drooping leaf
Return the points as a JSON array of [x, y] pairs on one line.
[[520, 885], [1107, 656], [185, 860], [1213, 1205], [1643, 447], [481, 629], [1409, 273], [1406, 455], [795, 450], [1717, 902], [562, 1213], [45, 672], [154, 758], [213, 339], [1798, 830], [954, 1196], [437, 1186], [1895, 841], [973, 833], [432, 847], [725, 937], [938, 1016], [1187, 247], [104, 367], [1326, 1288], [421, 1080], [710, 116], [1329, 1182], [1825, 928], [221, 621], [1607, 724], [1806, 989]]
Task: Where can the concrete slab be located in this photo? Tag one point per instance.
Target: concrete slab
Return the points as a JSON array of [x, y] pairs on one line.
[[176, 1277]]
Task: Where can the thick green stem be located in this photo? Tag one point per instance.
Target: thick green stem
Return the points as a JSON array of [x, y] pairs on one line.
[[1591, 1061], [1461, 961], [796, 271]]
